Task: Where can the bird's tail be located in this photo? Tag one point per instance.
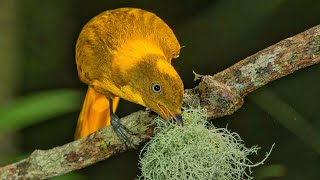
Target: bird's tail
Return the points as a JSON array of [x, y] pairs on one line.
[[95, 113]]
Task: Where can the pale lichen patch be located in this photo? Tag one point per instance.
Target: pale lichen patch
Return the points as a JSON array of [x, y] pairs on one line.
[[195, 151], [266, 62]]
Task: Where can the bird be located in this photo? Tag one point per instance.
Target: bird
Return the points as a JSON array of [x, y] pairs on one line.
[[126, 53]]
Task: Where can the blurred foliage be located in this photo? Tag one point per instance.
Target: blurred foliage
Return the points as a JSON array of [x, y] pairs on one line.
[[271, 171], [37, 41], [13, 158], [70, 176], [42, 106], [288, 117]]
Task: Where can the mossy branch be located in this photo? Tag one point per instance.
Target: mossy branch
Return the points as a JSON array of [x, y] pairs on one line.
[[221, 95]]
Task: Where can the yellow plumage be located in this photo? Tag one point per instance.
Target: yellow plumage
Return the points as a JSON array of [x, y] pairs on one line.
[[122, 53]]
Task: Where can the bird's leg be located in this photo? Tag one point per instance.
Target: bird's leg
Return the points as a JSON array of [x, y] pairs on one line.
[[120, 128]]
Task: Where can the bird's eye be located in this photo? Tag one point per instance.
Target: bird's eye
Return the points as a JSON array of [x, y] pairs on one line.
[[156, 88]]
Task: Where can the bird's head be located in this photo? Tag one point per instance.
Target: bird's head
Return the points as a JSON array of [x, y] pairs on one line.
[[154, 83]]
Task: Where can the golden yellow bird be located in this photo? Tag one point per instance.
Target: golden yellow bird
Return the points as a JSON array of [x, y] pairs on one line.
[[126, 53]]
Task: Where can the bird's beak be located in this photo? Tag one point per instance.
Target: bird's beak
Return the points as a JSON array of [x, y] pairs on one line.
[[178, 119], [168, 115]]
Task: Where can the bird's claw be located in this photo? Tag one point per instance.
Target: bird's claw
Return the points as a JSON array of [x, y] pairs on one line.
[[119, 129]]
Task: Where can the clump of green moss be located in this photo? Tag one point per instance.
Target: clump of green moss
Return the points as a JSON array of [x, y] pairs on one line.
[[196, 151]]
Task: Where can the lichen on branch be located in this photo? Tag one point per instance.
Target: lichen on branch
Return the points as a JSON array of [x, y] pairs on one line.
[[196, 151]]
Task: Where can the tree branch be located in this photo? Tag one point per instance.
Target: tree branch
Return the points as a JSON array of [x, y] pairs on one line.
[[221, 94]]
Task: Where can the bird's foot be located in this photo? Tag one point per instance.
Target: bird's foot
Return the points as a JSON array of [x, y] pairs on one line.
[[120, 129]]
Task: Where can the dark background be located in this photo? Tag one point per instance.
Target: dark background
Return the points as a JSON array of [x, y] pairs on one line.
[[37, 40]]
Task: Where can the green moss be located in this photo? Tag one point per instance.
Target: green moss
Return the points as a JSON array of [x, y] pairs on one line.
[[195, 151]]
